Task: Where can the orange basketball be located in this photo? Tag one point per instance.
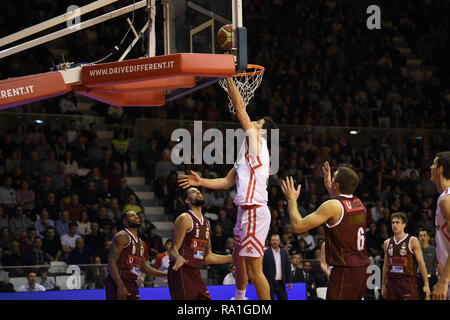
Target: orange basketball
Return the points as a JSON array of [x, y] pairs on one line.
[[225, 37]]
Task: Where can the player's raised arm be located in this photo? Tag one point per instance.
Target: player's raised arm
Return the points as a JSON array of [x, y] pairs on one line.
[[193, 180], [249, 128], [326, 210], [327, 176], [182, 225]]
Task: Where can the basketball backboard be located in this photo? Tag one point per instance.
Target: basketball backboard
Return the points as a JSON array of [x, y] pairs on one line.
[[193, 24]]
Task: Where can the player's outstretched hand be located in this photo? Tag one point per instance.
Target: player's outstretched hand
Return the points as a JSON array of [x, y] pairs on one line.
[[440, 291], [179, 263], [187, 181], [326, 175], [289, 190], [426, 290]]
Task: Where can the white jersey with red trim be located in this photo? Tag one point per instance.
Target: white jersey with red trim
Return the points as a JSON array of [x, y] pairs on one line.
[[442, 236], [252, 175]]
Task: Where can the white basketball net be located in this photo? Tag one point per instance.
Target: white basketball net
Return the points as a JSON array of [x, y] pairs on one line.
[[246, 82]]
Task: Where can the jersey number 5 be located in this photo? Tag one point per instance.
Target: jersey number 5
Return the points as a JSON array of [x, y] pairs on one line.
[[361, 239]]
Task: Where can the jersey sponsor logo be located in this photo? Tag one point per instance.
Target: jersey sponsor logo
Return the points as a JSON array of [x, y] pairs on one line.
[[249, 249], [198, 254], [357, 219], [397, 269], [134, 261], [198, 244], [398, 261], [403, 252], [353, 205]]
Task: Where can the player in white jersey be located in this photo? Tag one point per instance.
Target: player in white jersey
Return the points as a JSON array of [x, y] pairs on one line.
[[440, 176], [251, 174]]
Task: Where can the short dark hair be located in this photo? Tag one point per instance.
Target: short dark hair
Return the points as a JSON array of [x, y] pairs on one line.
[[73, 224], [400, 215], [348, 180], [443, 159]]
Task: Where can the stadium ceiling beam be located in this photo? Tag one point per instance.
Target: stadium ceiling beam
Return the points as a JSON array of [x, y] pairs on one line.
[[72, 29]]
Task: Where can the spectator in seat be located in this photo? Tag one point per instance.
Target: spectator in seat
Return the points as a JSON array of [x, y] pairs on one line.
[[96, 275], [8, 198], [120, 147], [162, 264], [115, 177], [26, 243], [230, 278], [52, 207], [68, 240], [42, 190], [80, 254], [107, 164], [374, 241], [105, 193], [65, 194], [95, 176], [47, 282], [19, 223], [124, 191], [218, 240], [5, 285], [164, 167], [62, 224], [58, 179], [296, 268], [96, 154], [37, 256], [154, 242], [230, 209], [104, 252], [74, 208], [226, 224], [51, 244], [309, 240], [377, 211], [14, 258], [131, 205], [103, 219], [70, 165], [50, 165], [95, 240], [6, 238], [90, 198], [114, 211], [33, 164], [84, 225], [32, 284], [3, 218], [43, 223], [26, 196]]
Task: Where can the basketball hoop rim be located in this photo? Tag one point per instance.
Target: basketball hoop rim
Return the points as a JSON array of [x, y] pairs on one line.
[[257, 70]]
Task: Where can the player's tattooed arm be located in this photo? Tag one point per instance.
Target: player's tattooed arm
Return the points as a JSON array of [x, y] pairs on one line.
[[119, 242]]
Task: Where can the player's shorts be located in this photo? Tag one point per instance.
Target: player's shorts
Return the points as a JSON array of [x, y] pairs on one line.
[[187, 284], [252, 227], [402, 288], [111, 289], [347, 283]]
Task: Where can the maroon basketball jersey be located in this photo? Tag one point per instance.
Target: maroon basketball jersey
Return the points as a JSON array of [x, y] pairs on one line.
[[345, 241], [401, 260], [130, 259], [195, 241]]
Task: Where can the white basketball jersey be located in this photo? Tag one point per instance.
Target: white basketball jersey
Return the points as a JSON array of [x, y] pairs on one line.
[[442, 236], [252, 175]]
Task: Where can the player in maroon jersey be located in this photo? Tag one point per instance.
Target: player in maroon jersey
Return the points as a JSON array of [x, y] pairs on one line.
[[402, 256], [345, 220], [191, 246], [126, 261]]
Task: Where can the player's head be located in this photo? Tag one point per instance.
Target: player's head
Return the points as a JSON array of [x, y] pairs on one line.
[[440, 169], [345, 181], [130, 219], [398, 222], [424, 236], [194, 198]]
